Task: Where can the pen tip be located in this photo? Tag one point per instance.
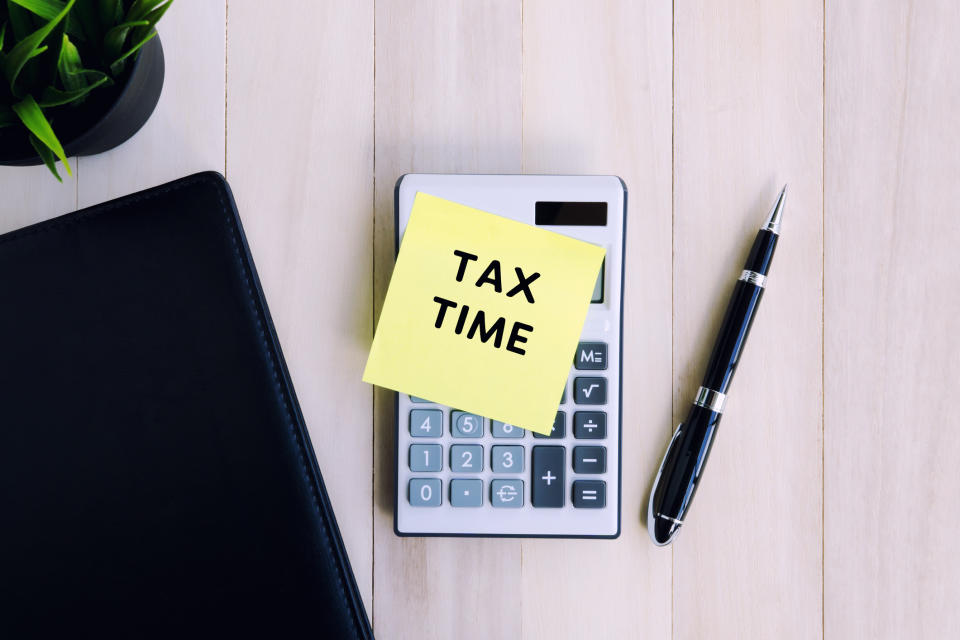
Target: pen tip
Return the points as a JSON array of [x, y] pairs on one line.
[[776, 213]]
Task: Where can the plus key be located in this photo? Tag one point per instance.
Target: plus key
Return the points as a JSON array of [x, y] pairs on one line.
[[547, 479]]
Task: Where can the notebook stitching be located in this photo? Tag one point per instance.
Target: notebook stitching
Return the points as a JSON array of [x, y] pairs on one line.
[[278, 388], [87, 214]]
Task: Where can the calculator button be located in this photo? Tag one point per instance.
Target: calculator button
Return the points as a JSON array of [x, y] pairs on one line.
[[590, 390], [426, 457], [589, 459], [425, 492], [466, 425], [466, 458], [507, 459], [547, 476], [589, 494], [466, 492], [419, 400], [506, 494], [591, 355], [506, 430], [563, 394], [559, 428], [590, 425], [426, 423]]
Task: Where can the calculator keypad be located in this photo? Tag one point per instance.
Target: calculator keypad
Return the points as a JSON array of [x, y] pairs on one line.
[[507, 459], [426, 423], [466, 458], [559, 428], [466, 492], [506, 494], [425, 492], [471, 480], [548, 471], [466, 425], [426, 457]]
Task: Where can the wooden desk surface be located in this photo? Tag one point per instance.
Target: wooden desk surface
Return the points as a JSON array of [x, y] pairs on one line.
[[832, 505]]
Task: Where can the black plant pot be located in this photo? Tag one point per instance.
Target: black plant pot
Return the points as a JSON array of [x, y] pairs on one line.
[[108, 118]]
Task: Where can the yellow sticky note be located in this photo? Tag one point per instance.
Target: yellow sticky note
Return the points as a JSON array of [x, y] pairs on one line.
[[483, 313]]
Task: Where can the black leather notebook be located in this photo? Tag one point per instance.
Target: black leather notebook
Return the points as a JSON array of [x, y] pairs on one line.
[[156, 476]]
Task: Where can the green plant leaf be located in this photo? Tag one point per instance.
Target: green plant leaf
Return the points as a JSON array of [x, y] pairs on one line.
[[53, 97], [46, 9], [12, 63], [46, 155], [84, 24], [141, 35], [3, 32], [141, 8], [109, 13], [33, 119], [69, 66], [117, 36], [116, 67]]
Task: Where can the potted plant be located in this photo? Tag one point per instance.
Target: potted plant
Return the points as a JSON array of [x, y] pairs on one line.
[[77, 77]]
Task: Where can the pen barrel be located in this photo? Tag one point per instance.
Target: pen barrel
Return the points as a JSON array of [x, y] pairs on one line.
[[682, 467], [739, 315]]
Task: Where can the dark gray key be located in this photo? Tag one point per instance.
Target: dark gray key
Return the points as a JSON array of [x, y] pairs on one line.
[[589, 494], [547, 476], [591, 355], [589, 459], [590, 390], [559, 428], [590, 425]]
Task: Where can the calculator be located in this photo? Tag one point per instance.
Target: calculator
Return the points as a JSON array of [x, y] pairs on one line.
[[462, 474]]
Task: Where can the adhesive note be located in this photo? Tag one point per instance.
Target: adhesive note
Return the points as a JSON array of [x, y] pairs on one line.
[[483, 313]]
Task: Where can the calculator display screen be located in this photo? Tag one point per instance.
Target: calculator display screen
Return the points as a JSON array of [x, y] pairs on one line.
[[581, 214]]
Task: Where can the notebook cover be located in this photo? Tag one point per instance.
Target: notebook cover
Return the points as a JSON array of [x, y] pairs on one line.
[[156, 476]]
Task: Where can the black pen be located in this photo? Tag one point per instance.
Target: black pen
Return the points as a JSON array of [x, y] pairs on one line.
[[683, 463]]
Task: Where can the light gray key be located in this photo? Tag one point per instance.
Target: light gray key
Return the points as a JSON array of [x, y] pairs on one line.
[[506, 494], [420, 400], [466, 492], [506, 430], [426, 423], [466, 458], [425, 492], [507, 459], [466, 425], [426, 457]]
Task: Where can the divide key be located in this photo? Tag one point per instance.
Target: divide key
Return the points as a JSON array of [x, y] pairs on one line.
[[547, 476]]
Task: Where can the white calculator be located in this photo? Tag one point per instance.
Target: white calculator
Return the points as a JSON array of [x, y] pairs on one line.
[[461, 474]]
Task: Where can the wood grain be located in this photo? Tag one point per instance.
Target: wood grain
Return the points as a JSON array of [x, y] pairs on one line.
[[892, 356], [747, 118], [831, 504], [447, 100], [596, 99], [300, 160]]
